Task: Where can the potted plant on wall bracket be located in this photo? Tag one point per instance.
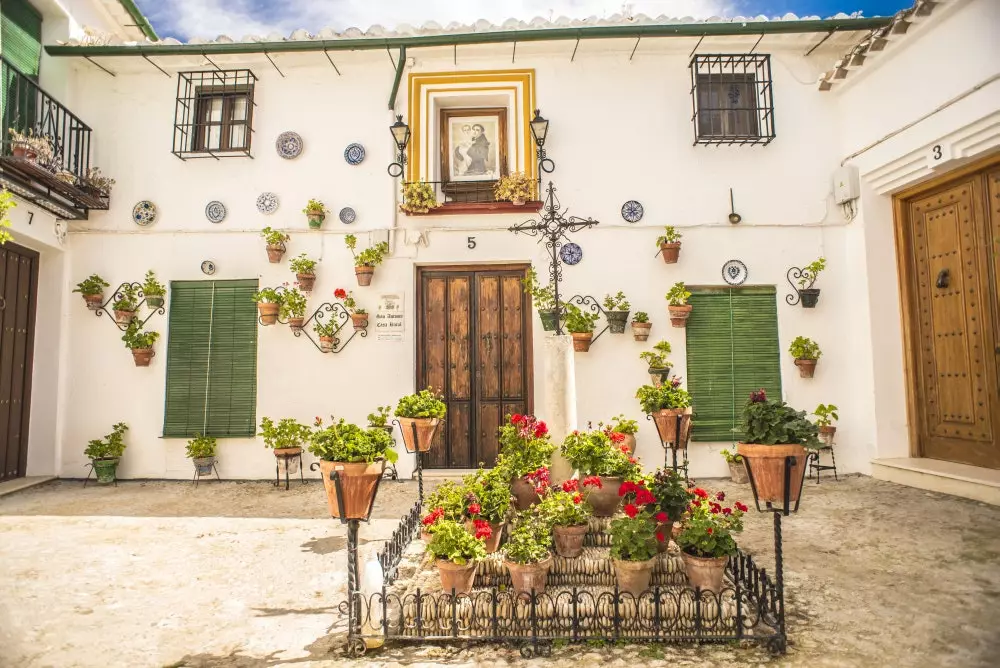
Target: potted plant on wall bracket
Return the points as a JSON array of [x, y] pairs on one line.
[[92, 289], [275, 241], [580, 324], [616, 309], [641, 326], [305, 272], [525, 455], [140, 343], [527, 554], [419, 417], [826, 414], [456, 553], [315, 213], [603, 465], [659, 365], [105, 454], [569, 516], [327, 333], [809, 295], [515, 188], [418, 197], [153, 291], [201, 450], [359, 316], [544, 300], [269, 302], [634, 551], [670, 244], [806, 353], [706, 541], [285, 438], [292, 308], [665, 403], [366, 261], [358, 456], [125, 304], [678, 305]]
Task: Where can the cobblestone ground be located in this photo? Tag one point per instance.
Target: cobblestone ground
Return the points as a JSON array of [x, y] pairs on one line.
[[240, 574]]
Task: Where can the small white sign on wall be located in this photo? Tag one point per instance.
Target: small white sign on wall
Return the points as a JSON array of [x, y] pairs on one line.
[[938, 155], [389, 318]]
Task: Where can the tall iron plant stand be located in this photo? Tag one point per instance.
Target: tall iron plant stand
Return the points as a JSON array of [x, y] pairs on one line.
[[420, 460], [286, 459], [552, 229], [670, 448]]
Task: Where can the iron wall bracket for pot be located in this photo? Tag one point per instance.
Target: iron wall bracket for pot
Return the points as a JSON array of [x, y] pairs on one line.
[[588, 303], [119, 294], [670, 448], [804, 279], [338, 315]]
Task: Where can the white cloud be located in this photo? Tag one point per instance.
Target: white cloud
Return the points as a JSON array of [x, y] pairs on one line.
[[236, 18]]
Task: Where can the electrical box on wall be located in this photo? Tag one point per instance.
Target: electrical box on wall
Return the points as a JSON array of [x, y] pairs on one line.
[[845, 184]]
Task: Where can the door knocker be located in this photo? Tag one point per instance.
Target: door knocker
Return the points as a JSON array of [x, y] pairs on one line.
[[942, 278]]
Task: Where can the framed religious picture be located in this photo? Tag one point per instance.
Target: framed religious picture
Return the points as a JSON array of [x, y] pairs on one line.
[[473, 152]]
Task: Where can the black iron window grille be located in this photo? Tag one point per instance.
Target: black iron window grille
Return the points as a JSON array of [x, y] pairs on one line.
[[732, 98], [214, 114]]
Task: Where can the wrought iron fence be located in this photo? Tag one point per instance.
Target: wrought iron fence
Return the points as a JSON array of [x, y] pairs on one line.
[[392, 554]]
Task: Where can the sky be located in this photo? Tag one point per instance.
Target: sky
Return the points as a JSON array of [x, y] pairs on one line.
[[185, 19]]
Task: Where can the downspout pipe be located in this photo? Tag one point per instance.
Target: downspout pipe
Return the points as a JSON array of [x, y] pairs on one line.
[[400, 64]]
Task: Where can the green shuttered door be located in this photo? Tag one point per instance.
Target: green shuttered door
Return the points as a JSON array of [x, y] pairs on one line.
[[732, 348], [211, 359], [21, 36]]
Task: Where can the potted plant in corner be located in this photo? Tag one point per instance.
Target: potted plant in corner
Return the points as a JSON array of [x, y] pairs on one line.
[[826, 414], [527, 553], [358, 456], [672, 497], [359, 316], [105, 454], [580, 324], [634, 551], [293, 308], [327, 333], [525, 454], [772, 431], [315, 213], [456, 553], [737, 472], [603, 465], [153, 291], [515, 188], [285, 438], [275, 241], [678, 306], [806, 353], [706, 541], [419, 416], [92, 289], [670, 244], [140, 343], [544, 300], [666, 403], [305, 272], [486, 499], [201, 450], [641, 326], [418, 197], [809, 295], [269, 302], [366, 261], [659, 365], [616, 310], [125, 304], [567, 512]]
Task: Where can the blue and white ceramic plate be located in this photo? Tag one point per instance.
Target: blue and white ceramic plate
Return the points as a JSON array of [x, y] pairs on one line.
[[354, 154], [267, 203], [734, 272], [347, 215], [632, 211], [571, 253], [215, 211], [144, 213], [288, 145]]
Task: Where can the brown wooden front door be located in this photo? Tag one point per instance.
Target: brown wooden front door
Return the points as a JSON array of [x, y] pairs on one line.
[[18, 286], [473, 346], [952, 236]]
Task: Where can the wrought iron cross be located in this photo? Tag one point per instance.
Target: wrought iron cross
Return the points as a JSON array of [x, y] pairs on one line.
[[552, 228]]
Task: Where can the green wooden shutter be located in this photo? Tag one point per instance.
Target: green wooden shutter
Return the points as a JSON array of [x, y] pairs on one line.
[[21, 36], [756, 352]]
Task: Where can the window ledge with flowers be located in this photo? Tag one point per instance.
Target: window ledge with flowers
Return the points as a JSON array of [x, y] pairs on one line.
[[513, 193]]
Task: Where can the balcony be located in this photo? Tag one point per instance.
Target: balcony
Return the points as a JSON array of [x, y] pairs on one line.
[[56, 177], [473, 197]]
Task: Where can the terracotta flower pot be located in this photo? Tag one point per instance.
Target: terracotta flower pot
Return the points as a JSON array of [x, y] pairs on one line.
[[525, 578], [569, 540], [827, 433], [666, 425], [426, 537], [455, 577], [364, 275], [806, 368], [629, 442], [142, 356], [605, 500], [327, 344], [154, 301], [425, 432], [306, 282], [633, 576], [268, 312], [203, 465], [358, 480], [359, 320], [738, 473], [295, 324], [22, 151], [123, 317], [679, 314], [93, 301], [106, 469], [524, 493], [517, 202], [275, 253], [582, 341], [316, 219], [767, 466], [616, 321], [670, 252], [705, 572], [667, 529], [640, 330], [496, 531], [809, 297]]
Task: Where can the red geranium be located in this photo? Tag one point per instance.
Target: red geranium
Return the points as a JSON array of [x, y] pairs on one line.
[[660, 537], [716, 508], [721, 496], [661, 517], [709, 530], [631, 510], [626, 487], [741, 507], [593, 481], [571, 485], [340, 293], [483, 529], [644, 497], [624, 449], [433, 516], [541, 430], [577, 498], [475, 508], [699, 492], [540, 479], [727, 511], [617, 437]]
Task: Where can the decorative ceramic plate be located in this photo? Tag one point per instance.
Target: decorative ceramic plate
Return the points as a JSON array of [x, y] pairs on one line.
[[632, 211], [144, 213], [208, 267], [215, 211], [288, 145], [734, 272], [354, 154], [571, 253], [347, 215], [267, 203]]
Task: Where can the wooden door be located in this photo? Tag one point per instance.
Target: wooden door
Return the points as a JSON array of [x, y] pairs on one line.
[[952, 234], [18, 285], [473, 346]]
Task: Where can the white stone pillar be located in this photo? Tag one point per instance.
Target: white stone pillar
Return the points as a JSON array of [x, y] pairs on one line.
[[560, 397]]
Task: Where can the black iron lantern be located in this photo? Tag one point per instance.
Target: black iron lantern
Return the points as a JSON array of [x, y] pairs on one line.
[[539, 130], [401, 135]]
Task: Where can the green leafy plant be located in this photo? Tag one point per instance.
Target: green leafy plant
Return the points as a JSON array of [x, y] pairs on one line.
[[731, 457], [7, 202], [303, 265], [347, 297], [543, 297], [709, 526], [623, 425], [593, 453], [152, 287], [767, 422], [293, 304], [525, 446], [825, 414], [418, 197], [633, 538], [286, 433], [668, 395], [343, 441], [529, 540], [268, 295], [657, 357], [670, 236], [274, 237], [136, 339], [126, 299], [579, 321], [671, 492], [803, 348], [515, 187], [113, 445], [372, 256], [449, 496], [487, 495], [640, 316], [314, 206], [380, 417], [678, 295], [93, 285], [326, 329], [423, 404], [451, 541], [565, 507], [202, 446], [617, 302], [811, 272]]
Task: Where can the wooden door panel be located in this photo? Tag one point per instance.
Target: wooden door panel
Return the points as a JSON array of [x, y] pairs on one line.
[[8, 319], [489, 423], [459, 425], [459, 372], [435, 333], [512, 380], [18, 285], [489, 337]]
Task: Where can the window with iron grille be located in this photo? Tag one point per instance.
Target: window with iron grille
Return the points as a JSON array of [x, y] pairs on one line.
[[732, 99], [214, 114]]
